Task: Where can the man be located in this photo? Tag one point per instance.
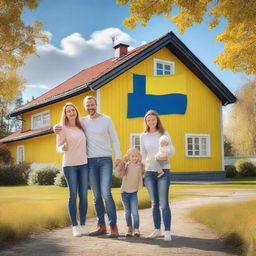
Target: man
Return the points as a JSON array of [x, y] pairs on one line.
[[100, 133]]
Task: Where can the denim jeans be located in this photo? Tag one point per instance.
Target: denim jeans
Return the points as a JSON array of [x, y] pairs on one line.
[[158, 189], [100, 176], [130, 203], [77, 180]]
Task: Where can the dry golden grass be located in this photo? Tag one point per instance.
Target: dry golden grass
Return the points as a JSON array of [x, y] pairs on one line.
[[30, 209], [235, 221]]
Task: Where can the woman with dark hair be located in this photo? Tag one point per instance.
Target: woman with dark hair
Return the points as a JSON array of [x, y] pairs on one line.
[[158, 186], [71, 141]]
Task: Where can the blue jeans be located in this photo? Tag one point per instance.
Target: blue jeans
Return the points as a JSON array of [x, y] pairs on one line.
[[100, 176], [130, 203], [77, 180], [158, 189]]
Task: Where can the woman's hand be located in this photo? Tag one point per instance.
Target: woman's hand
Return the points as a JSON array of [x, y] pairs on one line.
[[64, 147], [161, 158]]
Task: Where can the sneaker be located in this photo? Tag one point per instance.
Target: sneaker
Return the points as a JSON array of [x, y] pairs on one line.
[[136, 232], [129, 232], [167, 236], [76, 231], [84, 231], [155, 233]]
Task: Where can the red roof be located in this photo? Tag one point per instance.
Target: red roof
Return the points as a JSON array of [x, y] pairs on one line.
[[26, 134], [86, 76]]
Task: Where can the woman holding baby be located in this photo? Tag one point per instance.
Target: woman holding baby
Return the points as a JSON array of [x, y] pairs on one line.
[[156, 148]]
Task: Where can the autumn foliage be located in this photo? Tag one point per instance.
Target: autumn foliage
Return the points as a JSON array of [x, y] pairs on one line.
[[17, 42], [239, 18]]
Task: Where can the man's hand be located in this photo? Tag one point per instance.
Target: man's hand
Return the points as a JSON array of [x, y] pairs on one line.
[[57, 128], [64, 147], [118, 162]]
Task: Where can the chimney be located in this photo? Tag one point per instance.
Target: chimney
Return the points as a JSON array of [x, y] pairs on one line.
[[121, 50]]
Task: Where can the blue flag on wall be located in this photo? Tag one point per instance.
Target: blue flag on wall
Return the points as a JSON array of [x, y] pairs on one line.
[[139, 102]]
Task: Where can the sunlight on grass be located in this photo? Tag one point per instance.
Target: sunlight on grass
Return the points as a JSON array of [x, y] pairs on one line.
[[235, 221], [29, 209]]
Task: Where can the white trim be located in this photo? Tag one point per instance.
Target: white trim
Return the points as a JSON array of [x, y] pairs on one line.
[[222, 139], [98, 100], [40, 114], [171, 63], [131, 138], [18, 151], [197, 135]]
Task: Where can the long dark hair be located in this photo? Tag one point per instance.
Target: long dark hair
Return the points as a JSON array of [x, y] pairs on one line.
[[159, 125]]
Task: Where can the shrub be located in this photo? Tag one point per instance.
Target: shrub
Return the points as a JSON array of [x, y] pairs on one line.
[[43, 174], [230, 171], [60, 180], [14, 174], [5, 155], [245, 168]]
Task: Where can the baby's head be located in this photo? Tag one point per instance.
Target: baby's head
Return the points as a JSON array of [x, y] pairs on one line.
[[163, 141], [133, 155]]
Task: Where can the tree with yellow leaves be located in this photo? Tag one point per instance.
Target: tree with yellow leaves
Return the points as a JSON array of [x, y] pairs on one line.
[[17, 42], [239, 36], [240, 130]]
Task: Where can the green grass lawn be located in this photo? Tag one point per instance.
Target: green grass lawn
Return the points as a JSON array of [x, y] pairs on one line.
[[29, 209]]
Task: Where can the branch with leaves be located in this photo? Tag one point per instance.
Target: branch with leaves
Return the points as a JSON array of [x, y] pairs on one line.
[[239, 36]]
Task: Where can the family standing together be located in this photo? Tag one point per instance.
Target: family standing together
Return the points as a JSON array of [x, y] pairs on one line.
[[86, 144]]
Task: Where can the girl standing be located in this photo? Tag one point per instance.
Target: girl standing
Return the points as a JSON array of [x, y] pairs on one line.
[[131, 174]]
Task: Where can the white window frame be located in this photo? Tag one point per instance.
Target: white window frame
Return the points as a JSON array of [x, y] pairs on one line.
[[164, 62], [208, 145], [132, 141], [41, 115], [20, 158]]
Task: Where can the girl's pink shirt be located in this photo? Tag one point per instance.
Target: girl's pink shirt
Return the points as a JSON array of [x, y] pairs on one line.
[[76, 141]]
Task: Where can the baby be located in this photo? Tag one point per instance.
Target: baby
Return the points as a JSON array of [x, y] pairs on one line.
[[162, 153]]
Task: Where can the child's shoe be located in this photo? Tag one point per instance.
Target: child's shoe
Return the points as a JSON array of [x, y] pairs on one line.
[[155, 233], [167, 236], [129, 232], [136, 232], [84, 231], [76, 231]]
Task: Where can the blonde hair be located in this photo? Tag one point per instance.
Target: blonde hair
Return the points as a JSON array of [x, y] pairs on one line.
[[132, 150], [90, 98], [159, 126], [64, 119]]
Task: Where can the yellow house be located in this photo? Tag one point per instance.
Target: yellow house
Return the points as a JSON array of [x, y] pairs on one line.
[[163, 75]]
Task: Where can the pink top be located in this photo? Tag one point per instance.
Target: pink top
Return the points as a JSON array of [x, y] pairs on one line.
[[76, 141]]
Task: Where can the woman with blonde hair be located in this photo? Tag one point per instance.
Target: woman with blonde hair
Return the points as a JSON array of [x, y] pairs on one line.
[[71, 141], [157, 185]]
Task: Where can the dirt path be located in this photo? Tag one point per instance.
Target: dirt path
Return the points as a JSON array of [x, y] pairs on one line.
[[189, 237]]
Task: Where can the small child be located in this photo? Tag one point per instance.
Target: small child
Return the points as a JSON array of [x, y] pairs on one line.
[[163, 152], [131, 173]]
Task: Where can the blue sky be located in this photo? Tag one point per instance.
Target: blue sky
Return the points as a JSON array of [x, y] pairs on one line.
[[80, 36]]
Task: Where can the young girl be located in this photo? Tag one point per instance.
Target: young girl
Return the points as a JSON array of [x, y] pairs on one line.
[[71, 141], [131, 173]]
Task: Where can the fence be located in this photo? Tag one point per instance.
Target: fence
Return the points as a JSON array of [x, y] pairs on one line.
[[230, 160]]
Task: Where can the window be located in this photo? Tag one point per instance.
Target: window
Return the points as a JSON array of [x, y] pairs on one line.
[[163, 67], [40, 120], [20, 154], [135, 140], [197, 145]]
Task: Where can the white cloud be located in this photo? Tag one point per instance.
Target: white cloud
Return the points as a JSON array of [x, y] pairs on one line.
[[55, 65]]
